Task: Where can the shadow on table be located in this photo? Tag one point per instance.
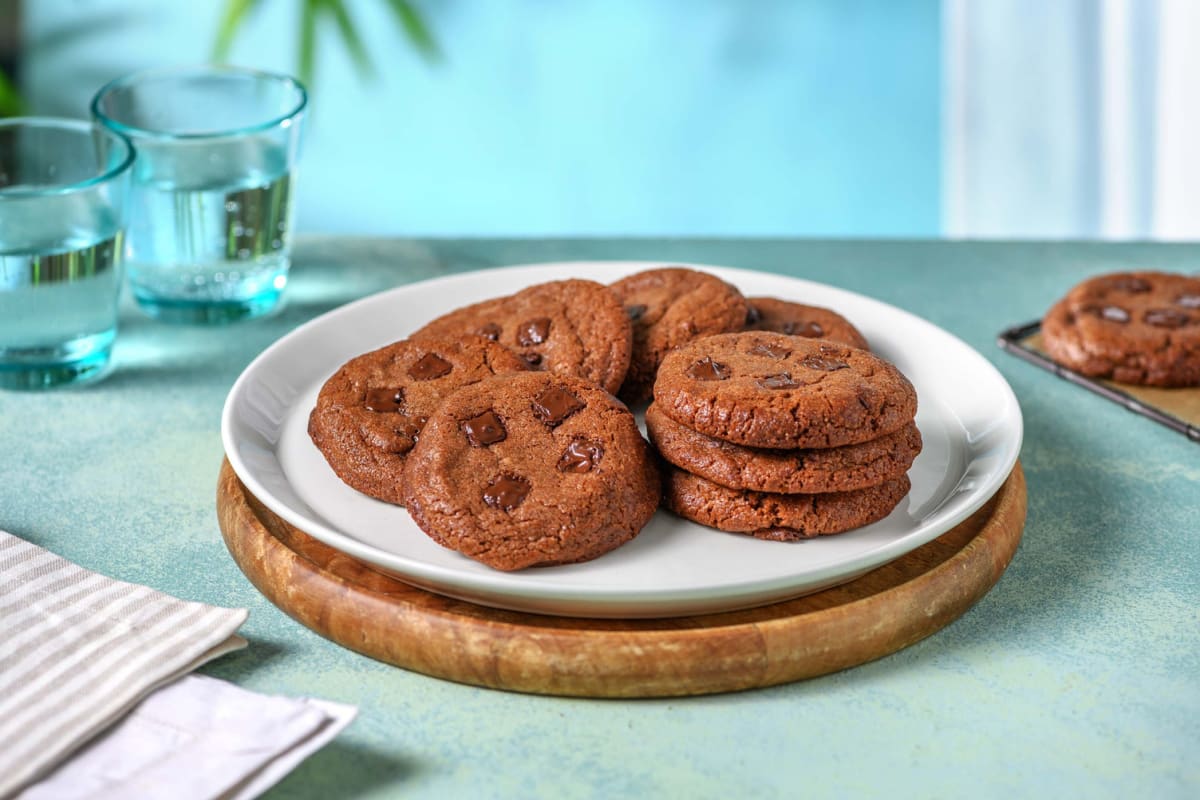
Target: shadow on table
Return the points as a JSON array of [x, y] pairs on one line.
[[346, 770]]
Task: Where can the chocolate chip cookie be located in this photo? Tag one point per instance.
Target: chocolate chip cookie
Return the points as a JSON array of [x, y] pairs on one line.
[[669, 307], [834, 469], [570, 327], [796, 319], [778, 517], [531, 470], [370, 413], [766, 389], [1134, 327]]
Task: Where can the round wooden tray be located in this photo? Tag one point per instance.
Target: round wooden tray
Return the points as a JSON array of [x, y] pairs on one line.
[[879, 613]]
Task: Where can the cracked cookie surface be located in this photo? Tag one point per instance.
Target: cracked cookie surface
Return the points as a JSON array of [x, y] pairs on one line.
[[370, 413], [804, 471], [533, 469], [671, 306], [765, 389], [1134, 327], [570, 327]]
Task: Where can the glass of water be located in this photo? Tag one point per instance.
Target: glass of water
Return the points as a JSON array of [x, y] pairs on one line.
[[211, 206], [63, 187]]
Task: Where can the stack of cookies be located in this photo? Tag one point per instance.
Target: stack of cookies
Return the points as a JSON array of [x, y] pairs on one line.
[[498, 425], [782, 437]]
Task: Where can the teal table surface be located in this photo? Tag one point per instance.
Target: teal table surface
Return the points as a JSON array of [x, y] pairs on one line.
[[1078, 675]]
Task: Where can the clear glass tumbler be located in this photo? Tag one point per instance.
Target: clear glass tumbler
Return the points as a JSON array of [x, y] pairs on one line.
[[211, 206], [63, 188]]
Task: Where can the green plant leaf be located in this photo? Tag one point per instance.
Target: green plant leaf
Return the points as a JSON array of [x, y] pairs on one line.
[[307, 53], [11, 104], [231, 20], [415, 28], [353, 42]]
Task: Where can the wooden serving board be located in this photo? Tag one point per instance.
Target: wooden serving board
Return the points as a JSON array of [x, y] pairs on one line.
[[879, 613]]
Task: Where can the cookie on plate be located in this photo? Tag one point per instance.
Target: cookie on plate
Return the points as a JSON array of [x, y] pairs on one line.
[[766, 389], [671, 306], [1134, 327], [570, 327], [806, 471], [797, 319], [531, 470], [778, 517], [369, 414]]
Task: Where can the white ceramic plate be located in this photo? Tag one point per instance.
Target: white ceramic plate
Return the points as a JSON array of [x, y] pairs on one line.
[[968, 416]]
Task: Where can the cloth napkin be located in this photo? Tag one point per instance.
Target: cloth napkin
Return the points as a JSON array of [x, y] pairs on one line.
[[81, 653]]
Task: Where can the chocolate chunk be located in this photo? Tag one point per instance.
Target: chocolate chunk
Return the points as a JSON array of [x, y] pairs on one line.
[[708, 370], [580, 456], [780, 381], [554, 405], [532, 359], [1165, 318], [769, 350], [1131, 284], [506, 492], [533, 332], [753, 315], [823, 363], [1188, 300], [635, 312], [430, 366], [489, 330], [810, 330], [384, 401], [1114, 314], [484, 429], [408, 429]]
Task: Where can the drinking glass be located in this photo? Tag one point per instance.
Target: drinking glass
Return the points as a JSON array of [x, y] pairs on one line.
[[63, 191], [211, 204]]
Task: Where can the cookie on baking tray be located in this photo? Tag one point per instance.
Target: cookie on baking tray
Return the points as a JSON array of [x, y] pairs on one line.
[[532, 469], [670, 306], [778, 517], [771, 390], [801, 471], [797, 319], [570, 327], [369, 413], [1134, 327]]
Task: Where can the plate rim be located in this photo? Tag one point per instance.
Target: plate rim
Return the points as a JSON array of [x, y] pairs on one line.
[[613, 600]]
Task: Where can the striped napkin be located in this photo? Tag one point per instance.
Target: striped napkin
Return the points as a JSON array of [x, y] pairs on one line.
[[78, 650]]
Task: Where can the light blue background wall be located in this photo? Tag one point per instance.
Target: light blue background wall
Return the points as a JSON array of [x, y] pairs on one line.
[[718, 117]]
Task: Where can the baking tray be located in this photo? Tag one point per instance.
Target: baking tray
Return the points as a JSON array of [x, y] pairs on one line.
[[1177, 409]]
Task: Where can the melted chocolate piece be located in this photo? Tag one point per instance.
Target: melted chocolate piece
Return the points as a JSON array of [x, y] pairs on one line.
[[1188, 300], [781, 381], [1166, 318], [767, 349], [490, 330], [409, 430], [506, 492], [1130, 284], [810, 330], [708, 370], [484, 429], [580, 456], [753, 315], [533, 332], [532, 359], [635, 312], [1114, 314], [824, 364], [384, 401], [429, 367], [554, 405]]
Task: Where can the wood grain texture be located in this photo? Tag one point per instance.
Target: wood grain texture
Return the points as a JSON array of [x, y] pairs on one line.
[[879, 613]]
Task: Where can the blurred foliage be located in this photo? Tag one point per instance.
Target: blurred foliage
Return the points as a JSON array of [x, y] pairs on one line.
[[11, 104], [318, 14]]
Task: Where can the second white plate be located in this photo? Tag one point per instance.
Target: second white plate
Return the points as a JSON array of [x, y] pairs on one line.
[[968, 416]]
